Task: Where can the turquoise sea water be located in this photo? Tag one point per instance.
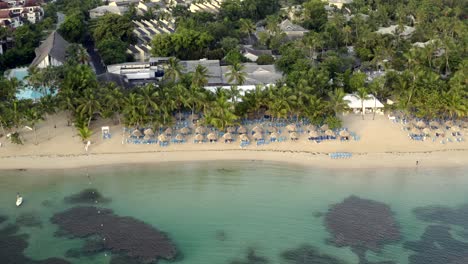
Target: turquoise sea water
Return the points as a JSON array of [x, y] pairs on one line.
[[215, 212]]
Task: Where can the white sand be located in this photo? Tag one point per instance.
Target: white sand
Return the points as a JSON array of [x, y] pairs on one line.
[[382, 144]]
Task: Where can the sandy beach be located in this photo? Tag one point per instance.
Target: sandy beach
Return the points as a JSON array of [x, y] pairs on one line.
[[383, 144]]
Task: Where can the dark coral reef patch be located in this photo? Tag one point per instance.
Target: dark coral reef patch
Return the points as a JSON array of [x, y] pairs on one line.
[[120, 235], [307, 254], [361, 224], [12, 246], [444, 215], [86, 196]]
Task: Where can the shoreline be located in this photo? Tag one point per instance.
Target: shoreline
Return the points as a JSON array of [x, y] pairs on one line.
[[359, 160]]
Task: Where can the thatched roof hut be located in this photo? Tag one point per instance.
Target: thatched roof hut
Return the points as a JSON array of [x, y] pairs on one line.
[[344, 133], [455, 128], [163, 138], [185, 131], [244, 137], [168, 131], [324, 127], [449, 123], [212, 137], [314, 134], [272, 129], [439, 131], [294, 136], [137, 133], [330, 133], [200, 130], [420, 124], [258, 136], [415, 131], [147, 137], [291, 128], [179, 137], [274, 135], [434, 124], [242, 130], [149, 132], [426, 131], [227, 136], [194, 117], [231, 129], [199, 137], [257, 129]]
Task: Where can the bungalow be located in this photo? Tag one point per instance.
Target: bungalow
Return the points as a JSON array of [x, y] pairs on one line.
[[406, 31], [292, 30], [252, 54], [8, 19], [52, 52]]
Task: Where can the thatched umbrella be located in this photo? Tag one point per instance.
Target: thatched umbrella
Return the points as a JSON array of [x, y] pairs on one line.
[[212, 137], [149, 132], [294, 136], [257, 129], [227, 136], [426, 131], [242, 130], [231, 129], [272, 129], [147, 137], [434, 124], [185, 131], [199, 137], [137, 133], [311, 128], [200, 130], [455, 128], [274, 135], [415, 131], [179, 137], [258, 136], [324, 127], [291, 128], [194, 117], [329, 133], [244, 137], [163, 138], [420, 124], [440, 132], [344, 133], [168, 131], [313, 134], [449, 123]]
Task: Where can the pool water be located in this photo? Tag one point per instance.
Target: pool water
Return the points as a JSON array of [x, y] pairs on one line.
[[27, 92]]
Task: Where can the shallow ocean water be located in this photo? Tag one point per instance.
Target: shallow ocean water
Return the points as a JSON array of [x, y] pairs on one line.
[[215, 212]]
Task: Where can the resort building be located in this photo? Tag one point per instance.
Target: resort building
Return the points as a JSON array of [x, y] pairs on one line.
[[145, 30], [14, 12], [292, 30], [356, 105], [405, 32], [252, 54], [102, 10], [138, 73], [52, 52], [338, 3], [212, 6]]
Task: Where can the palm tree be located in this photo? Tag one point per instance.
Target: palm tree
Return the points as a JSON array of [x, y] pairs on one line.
[[33, 115], [173, 70], [377, 87], [88, 105], [236, 74], [363, 95], [76, 53], [246, 26], [221, 113], [132, 110], [85, 133], [234, 93], [282, 101], [113, 102], [200, 76], [149, 99], [337, 102]]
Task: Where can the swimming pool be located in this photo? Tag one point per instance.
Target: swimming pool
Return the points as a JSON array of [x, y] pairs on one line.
[[27, 92]]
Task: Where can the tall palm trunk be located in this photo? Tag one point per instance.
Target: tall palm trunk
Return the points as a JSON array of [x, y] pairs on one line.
[[363, 109], [375, 107]]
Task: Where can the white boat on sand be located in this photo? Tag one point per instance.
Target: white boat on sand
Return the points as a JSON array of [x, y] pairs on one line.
[[19, 200]]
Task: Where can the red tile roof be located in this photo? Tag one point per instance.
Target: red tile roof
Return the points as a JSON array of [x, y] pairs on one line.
[[5, 14]]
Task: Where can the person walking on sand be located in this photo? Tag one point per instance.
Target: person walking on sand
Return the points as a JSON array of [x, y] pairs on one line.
[[417, 162]]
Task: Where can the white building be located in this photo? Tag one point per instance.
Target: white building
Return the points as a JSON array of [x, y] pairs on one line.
[[102, 10], [356, 105], [52, 52]]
